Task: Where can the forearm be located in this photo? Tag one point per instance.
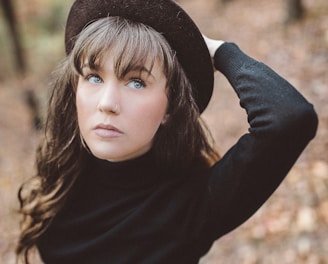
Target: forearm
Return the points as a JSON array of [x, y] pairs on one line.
[[282, 123], [272, 104]]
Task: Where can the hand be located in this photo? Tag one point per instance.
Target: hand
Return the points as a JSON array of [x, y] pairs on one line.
[[212, 45]]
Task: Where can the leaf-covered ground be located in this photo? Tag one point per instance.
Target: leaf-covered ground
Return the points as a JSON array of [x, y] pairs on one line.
[[292, 227]]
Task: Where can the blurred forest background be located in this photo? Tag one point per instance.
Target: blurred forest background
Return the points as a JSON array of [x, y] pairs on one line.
[[292, 227]]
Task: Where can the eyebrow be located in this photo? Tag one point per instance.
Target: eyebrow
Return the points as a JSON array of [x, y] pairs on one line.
[[137, 68], [87, 66]]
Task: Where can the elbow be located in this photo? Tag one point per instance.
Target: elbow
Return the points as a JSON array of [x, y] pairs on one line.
[[302, 122], [289, 123], [311, 121], [293, 124]]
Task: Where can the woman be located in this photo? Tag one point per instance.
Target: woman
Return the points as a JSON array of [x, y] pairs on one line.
[[126, 173]]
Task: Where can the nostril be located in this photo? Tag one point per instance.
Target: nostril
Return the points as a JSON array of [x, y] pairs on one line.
[[116, 109]]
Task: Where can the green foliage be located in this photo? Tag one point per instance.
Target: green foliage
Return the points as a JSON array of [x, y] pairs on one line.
[[41, 27], [53, 19]]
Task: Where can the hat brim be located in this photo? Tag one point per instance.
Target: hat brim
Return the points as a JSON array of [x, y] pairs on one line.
[[166, 17]]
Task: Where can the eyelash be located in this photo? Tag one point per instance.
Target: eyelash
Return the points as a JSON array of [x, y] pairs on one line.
[[89, 76], [132, 79], [138, 80]]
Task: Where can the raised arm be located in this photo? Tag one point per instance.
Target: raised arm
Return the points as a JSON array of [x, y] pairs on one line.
[[282, 123]]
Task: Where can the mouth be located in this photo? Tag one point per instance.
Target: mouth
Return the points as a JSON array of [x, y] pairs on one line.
[[107, 131]]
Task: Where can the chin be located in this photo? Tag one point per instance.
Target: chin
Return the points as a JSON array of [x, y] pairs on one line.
[[110, 156], [117, 154], [104, 155]]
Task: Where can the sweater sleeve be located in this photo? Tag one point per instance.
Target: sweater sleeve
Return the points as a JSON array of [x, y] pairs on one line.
[[281, 123]]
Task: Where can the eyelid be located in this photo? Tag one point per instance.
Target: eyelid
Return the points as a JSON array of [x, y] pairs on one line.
[[137, 79], [136, 75]]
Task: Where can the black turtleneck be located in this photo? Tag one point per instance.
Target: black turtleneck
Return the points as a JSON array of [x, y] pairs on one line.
[[139, 212], [124, 212]]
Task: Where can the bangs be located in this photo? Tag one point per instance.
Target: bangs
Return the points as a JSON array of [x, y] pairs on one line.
[[133, 45]]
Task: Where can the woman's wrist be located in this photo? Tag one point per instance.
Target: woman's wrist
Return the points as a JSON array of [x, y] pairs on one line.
[[212, 45]]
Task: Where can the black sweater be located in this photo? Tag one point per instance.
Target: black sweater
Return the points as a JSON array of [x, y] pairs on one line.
[[136, 212]]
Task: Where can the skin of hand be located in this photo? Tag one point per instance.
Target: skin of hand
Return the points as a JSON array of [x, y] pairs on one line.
[[212, 44]]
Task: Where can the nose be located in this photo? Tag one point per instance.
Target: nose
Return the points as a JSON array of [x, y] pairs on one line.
[[109, 101]]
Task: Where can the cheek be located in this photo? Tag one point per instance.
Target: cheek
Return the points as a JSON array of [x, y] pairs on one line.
[[155, 113], [83, 109], [79, 106], [148, 117]]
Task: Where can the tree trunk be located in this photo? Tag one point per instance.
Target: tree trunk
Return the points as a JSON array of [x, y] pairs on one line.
[[9, 15], [294, 10]]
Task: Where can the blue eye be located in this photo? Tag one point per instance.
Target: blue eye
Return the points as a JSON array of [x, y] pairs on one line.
[[94, 79], [136, 84]]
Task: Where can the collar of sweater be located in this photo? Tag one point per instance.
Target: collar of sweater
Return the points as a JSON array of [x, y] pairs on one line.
[[141, 172]]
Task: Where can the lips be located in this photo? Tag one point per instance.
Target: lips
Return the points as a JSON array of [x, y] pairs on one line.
[[107, 131]]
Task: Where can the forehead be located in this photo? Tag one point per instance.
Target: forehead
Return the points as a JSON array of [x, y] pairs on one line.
[[132, 45], [123, 61]]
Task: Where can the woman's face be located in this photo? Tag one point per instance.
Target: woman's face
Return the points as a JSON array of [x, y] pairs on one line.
[[119, 117]]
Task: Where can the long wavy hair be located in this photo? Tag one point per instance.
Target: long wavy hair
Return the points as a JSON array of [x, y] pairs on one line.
[[62, 156]]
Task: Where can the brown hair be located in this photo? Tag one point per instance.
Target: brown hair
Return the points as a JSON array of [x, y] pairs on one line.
[[61, 155]]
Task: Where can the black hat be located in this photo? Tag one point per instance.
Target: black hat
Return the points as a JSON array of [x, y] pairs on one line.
[[166, 17]]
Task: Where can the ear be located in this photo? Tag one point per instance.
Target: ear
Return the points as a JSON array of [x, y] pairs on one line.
[[165, 119]]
